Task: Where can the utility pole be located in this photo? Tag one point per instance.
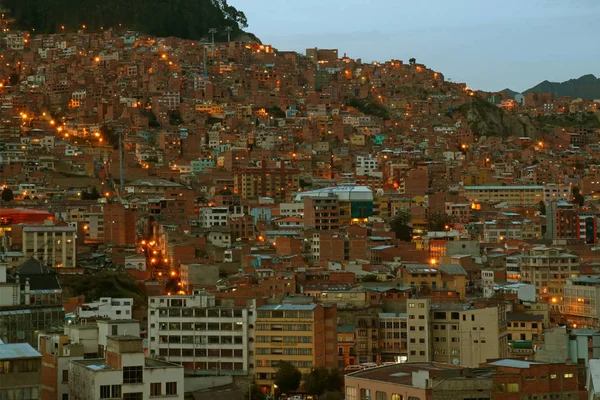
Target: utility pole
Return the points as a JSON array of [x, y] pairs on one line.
[[121, 169], [212, 31], [228, 29], [203, 42]]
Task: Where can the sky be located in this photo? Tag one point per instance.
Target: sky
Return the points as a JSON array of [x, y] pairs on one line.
[[488, 44]]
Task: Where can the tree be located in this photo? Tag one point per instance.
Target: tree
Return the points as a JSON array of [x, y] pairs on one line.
[[322, 380], [7, 194], [439, 221], [578, 197], [412, 61], [400, 224], [542, 208], [254, 392], [91, 195], [287, 377], [370, 278]]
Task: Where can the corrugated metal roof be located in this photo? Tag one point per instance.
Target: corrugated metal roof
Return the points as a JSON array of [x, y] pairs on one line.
[[514, 363], [287, 307], [17, 350]]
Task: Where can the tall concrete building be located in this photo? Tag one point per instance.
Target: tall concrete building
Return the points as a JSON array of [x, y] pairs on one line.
[[54, 244], [119, 225], [192, 330], [304, 335], [456, 334], [419, 330], [322, 213], [548, 269]]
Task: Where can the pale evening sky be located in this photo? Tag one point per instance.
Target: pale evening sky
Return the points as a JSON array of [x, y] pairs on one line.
[[489, 44]]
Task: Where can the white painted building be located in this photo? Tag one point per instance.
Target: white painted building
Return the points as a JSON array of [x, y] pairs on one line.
[[365, 166], [291, 209], [106, 307], [213, 216], [125, 373], [194, 331]]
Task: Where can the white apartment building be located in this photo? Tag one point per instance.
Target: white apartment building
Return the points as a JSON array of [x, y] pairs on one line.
[[418, 334], [53, 245], [291, 209], [455, 333], [213, 216], [106, 307], [365, 166], [125, 373], [194, 331]]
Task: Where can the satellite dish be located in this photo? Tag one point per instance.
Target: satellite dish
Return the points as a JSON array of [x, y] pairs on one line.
[[455, 361]]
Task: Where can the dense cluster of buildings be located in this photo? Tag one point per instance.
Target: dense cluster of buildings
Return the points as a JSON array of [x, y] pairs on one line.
[[272, 206]]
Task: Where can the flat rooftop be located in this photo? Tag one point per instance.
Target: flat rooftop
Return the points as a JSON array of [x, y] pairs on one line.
[[401, 374]]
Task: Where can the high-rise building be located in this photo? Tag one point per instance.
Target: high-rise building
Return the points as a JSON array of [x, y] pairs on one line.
[[582, 302], [455, 333], [304, 335], [419, 330], [548, 269], [322, 213], [192, 330], [119, 225], [278, 183], [55, 245]]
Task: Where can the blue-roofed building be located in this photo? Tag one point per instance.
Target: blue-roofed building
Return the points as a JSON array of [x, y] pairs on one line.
[[20, 371]]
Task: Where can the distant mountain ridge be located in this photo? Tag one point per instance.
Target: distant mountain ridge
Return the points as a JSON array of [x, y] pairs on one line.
[[586, 87]]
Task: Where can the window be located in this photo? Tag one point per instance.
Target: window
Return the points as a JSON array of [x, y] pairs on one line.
[[512, 387], [105, 392], [552, 376], [65, 375], [65, 396], [365, 394], [171, 388], [155, 389], [567, 376], [133, 396], [116, 391], [350, 393], [530, 378], [133, 374], [396, 396], [380, 395]]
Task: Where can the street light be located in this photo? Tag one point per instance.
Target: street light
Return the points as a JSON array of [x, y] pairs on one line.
[[228, 29]]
